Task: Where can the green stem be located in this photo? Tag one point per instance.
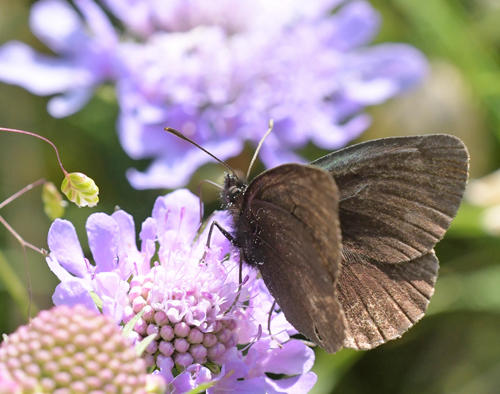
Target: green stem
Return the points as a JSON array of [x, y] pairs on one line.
[[14, 287]]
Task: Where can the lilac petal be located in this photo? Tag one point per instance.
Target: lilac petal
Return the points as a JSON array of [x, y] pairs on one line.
[[204, 375], [245, 386], [134, 13], [332, 136], [72, 293], [178, 213], [97, 21], [141, 140], [166, 366], [183, 383], [57, 24], [386, 70], [64, 275], [40, 74], [227, 380], [126, 227], [103, 234], [297, 385], [65, 247], [111, 308], [70, 102], [355, 24], [165, 173], [148, 232], [131, 260], [273, 157], [110, 284], [292, 359]]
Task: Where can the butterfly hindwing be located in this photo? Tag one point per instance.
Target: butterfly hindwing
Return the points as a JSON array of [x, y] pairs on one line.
[[381, 301]]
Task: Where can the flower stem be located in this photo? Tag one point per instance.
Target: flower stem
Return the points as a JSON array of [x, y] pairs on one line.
[[22, 191], [42, 138]]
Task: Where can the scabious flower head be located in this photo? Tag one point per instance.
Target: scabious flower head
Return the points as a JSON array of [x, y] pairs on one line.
[[206, 329], [71, 350], [218, 72]]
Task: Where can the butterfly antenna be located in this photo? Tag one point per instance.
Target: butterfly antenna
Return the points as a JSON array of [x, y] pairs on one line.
[[271, 124], [183, 137]]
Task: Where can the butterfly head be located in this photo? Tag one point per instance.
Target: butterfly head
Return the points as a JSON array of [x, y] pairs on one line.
[[233, 191]]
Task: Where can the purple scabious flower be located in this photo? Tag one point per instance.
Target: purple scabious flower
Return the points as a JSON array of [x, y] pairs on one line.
[[218, 72], [206, 328], [85, 48]]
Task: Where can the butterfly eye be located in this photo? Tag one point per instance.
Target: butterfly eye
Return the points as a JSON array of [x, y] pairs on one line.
[[234, 191], [231, 194]]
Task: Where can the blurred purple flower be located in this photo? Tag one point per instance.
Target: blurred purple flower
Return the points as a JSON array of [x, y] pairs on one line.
[[86, 48], [219, 71], [218, 75], [190, 304]]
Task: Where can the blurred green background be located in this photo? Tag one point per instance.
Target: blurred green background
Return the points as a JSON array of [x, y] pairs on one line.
[[455, 349]]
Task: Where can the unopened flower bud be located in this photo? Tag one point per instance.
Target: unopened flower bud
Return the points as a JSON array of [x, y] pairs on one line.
[[166, 348], [181, 330], [195, 336], [198, 351], [217, 350], [53, 204], [183, 359], [224, 335], [167, 333], [141, 326], [149, 314], [181, 345], [209, 340], [80, 189], [145, 289], [161, 318]]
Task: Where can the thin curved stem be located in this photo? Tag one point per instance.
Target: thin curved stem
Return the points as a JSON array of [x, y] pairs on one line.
[[22, 191], [42, 138], [19, 238]]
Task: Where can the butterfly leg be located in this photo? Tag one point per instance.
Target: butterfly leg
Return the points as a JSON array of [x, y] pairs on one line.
[[269, 324], [239, 286], [223, 231]]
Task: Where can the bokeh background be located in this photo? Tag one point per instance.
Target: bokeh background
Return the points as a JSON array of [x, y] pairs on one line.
[[455, 349]]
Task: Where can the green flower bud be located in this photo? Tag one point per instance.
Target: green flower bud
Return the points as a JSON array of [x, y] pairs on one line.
[[53, 203], [80, 189]]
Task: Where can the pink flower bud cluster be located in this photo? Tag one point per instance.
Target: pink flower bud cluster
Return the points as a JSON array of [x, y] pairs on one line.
[[72, 350], [189, 325]]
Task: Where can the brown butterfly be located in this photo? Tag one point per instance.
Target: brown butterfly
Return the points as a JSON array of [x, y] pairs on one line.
[[345, 244]]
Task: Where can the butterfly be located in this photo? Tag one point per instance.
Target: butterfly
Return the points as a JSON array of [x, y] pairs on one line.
[[345, 244]]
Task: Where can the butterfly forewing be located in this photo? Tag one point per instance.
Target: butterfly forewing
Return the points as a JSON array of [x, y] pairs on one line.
[[398, 195], [288, 228]]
